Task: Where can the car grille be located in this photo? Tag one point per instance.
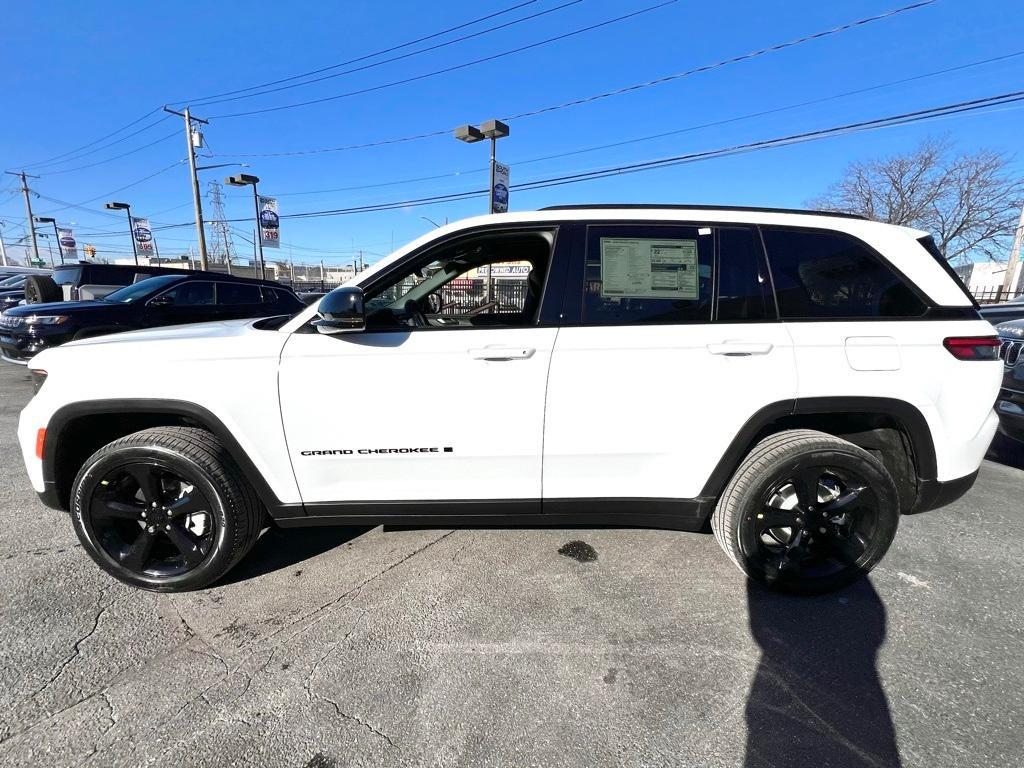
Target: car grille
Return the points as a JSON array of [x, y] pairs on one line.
[[1009, 351], [9, 322]]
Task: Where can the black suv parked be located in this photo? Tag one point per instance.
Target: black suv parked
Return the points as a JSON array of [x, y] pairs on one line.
[[1010, 405], [171, 299], [84, 280]]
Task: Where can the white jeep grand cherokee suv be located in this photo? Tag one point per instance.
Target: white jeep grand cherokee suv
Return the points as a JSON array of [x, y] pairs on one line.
[[796, 379]]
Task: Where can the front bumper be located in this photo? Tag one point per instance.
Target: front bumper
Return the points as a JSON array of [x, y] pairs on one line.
[[1010, 407], [17, 347]]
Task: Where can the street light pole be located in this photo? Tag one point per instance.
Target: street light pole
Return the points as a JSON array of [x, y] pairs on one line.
[[56, 234], [246, 179], [131, 226], [493, 130], [3, 248], [196, 199]]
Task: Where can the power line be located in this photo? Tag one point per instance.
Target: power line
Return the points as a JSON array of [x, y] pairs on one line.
[[891, 120], [364, 57], [607, 94], [95, 141], [115, 157], [665, 134], [102, 147], [120, 189], [394, 58], [456, 67]]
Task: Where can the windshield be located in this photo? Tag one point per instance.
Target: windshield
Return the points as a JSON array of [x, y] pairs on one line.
[[142, 289]]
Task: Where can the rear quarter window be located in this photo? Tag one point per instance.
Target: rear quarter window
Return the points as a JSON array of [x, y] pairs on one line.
[[821, 275]]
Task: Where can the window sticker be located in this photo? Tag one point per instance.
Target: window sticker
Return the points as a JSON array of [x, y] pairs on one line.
[[648, 268]]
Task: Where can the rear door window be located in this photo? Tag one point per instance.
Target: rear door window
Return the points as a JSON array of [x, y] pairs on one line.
[[647, 274], [821, 275], [238, 293]]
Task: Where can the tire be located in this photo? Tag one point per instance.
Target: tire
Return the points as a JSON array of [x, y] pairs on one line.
[[165, 509], [816, 544], [40, 289]]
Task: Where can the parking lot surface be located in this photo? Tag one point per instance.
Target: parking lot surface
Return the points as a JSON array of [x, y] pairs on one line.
[[469, 647]]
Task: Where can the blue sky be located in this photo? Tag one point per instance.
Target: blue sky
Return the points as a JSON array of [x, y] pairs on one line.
[[76, 71]]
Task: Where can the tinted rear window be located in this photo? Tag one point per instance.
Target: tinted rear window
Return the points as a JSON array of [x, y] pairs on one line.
[[833, 275], [67, 275]]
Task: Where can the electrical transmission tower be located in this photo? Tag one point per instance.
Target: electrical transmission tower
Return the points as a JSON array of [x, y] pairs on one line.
[[223, 249]]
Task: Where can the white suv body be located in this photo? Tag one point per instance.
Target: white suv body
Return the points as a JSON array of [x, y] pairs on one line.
[[654, 348]]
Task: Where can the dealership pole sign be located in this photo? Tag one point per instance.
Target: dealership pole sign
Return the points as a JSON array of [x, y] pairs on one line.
[[270, 223], [68, 245], [143, 235], [499, 188]]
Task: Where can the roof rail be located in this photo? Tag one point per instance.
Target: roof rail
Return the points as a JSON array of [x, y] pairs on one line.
[[675, 206]]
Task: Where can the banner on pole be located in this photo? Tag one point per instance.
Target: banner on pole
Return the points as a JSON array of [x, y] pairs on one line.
[[499, 195], [68, 246], [270, 223], [143, 235]]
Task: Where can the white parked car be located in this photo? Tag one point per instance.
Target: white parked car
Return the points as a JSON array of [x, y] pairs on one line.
[[798, 380]]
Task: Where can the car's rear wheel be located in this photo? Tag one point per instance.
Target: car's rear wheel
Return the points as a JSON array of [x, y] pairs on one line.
[[807, 512], [165, 509]]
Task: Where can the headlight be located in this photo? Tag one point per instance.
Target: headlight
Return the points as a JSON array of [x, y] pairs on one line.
[[38, 379], [45, 319]]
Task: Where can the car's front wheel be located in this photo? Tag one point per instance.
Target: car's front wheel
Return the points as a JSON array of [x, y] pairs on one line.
[[165, 509], [807, 512]]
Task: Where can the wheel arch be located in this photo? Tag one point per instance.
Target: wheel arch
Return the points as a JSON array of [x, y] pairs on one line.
[[888, 426], [77, 430]]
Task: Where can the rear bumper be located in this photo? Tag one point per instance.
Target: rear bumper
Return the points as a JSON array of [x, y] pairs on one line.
[[932, 494]]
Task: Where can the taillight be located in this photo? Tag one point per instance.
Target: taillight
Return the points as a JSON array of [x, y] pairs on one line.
[[973, 347]]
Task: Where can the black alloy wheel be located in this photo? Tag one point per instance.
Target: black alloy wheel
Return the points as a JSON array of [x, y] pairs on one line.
[[807, 512], [165, 509], [814, 523], [151, 520]]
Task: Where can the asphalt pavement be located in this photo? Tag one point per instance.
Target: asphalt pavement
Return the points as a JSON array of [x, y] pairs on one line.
[[467, 647]]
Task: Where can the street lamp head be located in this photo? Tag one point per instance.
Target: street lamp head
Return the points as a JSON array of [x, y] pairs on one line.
[[241, 180], [45, 219], [468, 134], [117, 206], [494, 129]]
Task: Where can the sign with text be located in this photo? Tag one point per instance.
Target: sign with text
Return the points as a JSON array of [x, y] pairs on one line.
[[270, 223], [143, 235], [499, 194], [68, 246]]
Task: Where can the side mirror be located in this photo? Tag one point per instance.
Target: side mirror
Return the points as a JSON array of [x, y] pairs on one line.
[[341, 311], [162, 301]]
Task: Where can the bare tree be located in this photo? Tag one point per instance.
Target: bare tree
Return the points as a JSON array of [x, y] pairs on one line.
[[969, 202]]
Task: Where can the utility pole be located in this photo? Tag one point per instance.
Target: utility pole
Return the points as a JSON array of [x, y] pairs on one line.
[[28, 209], [3, 248], [196, 199], [1011, 265]]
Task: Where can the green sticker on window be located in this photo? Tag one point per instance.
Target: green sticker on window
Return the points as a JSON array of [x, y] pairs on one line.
[[648, 268]]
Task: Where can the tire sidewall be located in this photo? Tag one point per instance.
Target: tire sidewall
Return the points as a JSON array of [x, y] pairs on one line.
[[861, 463], [108, 459]]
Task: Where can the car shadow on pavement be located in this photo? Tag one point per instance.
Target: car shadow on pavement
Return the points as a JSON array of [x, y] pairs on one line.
[[278, 549], [816, 698]]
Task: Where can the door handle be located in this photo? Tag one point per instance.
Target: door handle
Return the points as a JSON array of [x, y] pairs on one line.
[[498, 352], [740, 348]]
